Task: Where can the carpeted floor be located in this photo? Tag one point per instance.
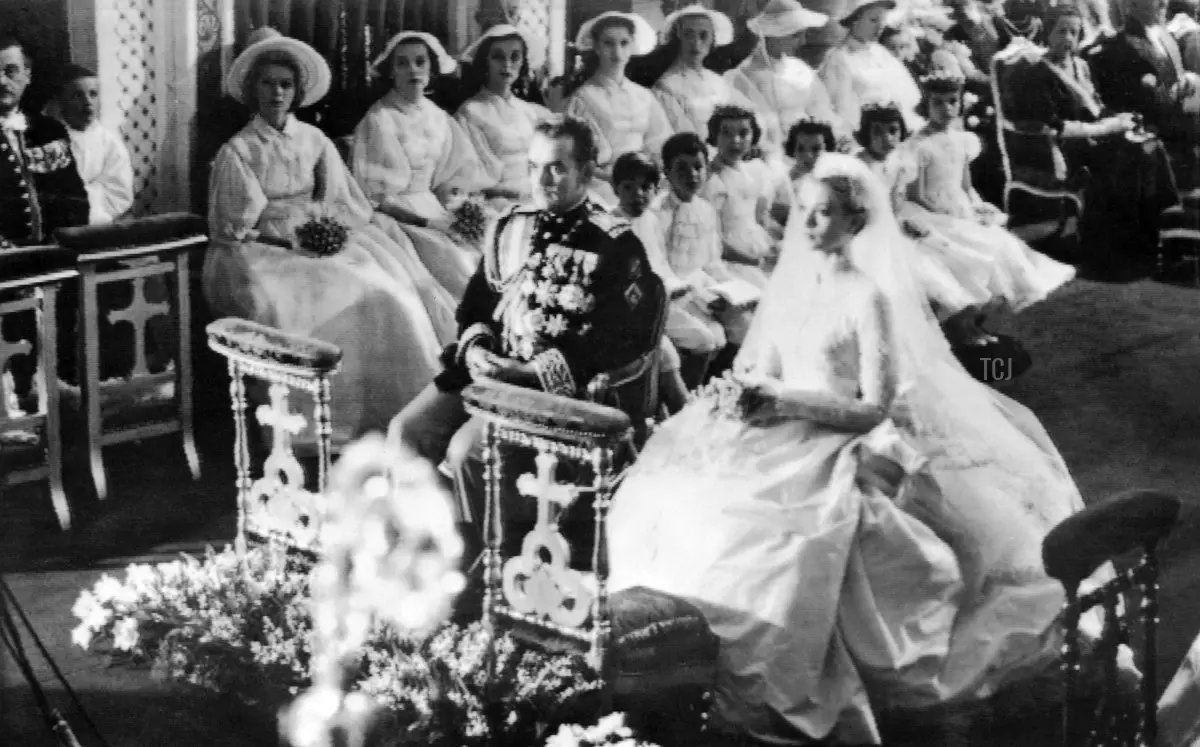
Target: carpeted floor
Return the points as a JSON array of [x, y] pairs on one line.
[[1114, 381]]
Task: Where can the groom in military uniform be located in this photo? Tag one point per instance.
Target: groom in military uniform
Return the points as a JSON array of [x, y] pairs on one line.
[[564, 292]]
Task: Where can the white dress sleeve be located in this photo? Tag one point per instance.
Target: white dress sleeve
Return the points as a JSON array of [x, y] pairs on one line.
[[378, 160], [341, 192], [579, 106], [835, 73], [877, 373], [490, 164], [659, 129], [236, 199], [458, 165], [675, 109]]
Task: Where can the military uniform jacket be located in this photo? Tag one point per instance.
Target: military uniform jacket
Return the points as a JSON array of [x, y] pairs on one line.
[[40, 189], [1133, 75], [572, 293]]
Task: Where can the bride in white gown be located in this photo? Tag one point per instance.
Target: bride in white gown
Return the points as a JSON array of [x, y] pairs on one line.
[[827, 595]]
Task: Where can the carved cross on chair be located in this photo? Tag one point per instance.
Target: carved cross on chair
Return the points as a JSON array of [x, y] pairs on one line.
[[540, 581], [279, 497], [8, 351], [138, 313]]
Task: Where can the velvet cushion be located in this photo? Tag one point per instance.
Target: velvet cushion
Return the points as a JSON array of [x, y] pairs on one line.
[[133, 232], [659, 642], [548, 415], [267, 343]]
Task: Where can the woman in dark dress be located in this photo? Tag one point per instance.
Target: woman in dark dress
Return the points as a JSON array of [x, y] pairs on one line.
[[1129, 183]]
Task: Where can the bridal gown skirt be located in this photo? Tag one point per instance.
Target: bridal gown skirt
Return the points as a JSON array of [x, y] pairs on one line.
[[831, 602], [352, 300], [803, 577]]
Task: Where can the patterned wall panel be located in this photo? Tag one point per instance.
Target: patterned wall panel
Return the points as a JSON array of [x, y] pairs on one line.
[[140, 46], [533, 17]]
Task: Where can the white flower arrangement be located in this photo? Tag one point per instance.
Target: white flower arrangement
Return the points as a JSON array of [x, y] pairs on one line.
[[610, 730], [242, 626]]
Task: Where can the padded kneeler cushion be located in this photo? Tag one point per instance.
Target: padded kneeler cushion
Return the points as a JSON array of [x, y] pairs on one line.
[[660, 642], [154, 229], [267, 343]]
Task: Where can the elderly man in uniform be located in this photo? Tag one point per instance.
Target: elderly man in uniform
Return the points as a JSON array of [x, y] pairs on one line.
[[564, 292], [40, 188], [40, 192]]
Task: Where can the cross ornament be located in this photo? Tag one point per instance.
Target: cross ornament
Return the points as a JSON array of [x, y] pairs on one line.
[[280, 419], [138, 313], [544, 488]]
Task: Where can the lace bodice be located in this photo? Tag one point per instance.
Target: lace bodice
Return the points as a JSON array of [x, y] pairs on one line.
[[500, 129], [831, 337], [627, 117], [942, 158]]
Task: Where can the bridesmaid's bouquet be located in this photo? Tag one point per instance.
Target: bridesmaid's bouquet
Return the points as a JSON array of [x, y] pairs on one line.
[[323, 235], [471, 219]]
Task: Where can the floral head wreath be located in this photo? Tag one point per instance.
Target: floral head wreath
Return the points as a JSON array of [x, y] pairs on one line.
[[880, 105], [944, 78]]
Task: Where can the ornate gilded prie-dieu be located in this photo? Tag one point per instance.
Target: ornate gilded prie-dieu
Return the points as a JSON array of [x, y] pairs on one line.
[[277, 505]]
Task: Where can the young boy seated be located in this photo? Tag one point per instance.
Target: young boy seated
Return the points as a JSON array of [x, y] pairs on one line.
[[697, 338], [691, 236], [100, 154]]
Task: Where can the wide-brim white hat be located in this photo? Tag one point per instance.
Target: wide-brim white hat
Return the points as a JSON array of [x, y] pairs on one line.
[[784, 18], [645, 38], [445, 63], [722, 26], [499, 31], [854, 6], [315, 76]]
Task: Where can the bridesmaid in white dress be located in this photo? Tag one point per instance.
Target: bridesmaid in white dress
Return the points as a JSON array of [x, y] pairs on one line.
[[828, 596], [862, 70], [688, 91], [269, 179], [783, 88], [627, 117], [412, 158], [499, 124]]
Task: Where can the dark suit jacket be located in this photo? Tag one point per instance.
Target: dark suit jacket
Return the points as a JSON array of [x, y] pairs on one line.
[[1120, 67]]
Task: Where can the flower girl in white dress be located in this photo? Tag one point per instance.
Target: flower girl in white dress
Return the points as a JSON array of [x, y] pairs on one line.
[[944, 200], [831, 599], [741, 190]]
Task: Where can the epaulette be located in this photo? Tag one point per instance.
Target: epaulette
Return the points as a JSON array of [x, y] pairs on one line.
[[613, 225]]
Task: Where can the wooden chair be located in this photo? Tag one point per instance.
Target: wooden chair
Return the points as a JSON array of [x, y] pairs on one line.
[[31, 446], [1030, 155], [278, 505], [654, 651], [141, 404], [1131, 523]]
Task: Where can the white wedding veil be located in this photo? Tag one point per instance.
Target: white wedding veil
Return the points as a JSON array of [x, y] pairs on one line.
[[991, 456]]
